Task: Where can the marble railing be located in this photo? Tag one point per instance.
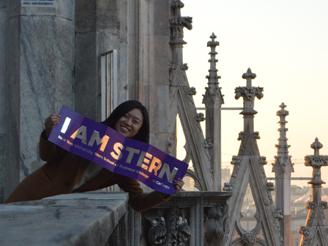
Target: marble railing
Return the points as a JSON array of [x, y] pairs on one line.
[[188, 218]]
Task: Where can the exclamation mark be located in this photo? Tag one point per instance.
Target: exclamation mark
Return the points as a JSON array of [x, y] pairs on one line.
[[65, 125]]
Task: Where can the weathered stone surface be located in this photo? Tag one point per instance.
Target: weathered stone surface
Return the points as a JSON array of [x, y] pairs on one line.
[[13, 94], [85, 14], [153, 88], [86, 75], [46, 78], [248, 171], [65, 9], [101, 27], [76, 219], [40, 76], [188, 218], [3, 91]]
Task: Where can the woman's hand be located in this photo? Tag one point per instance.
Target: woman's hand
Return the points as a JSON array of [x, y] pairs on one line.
[[178, 185], [50, 122]]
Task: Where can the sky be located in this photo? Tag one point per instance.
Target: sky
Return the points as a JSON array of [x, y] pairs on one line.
[[285, 45]]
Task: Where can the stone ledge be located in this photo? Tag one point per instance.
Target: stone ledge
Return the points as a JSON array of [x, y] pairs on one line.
[[74, 219]]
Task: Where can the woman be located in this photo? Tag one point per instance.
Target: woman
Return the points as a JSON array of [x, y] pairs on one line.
[[66, 173]]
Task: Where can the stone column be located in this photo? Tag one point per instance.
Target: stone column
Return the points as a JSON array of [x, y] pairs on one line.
[[154, 87], [3, 98], [40, 76]]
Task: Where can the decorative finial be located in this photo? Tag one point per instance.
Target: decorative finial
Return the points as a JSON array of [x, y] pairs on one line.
[[212, 42], [213, 36], [249, 76], [213, 72], [282, 106], [282, 160], [282, 112], [316, 145], [248, 93]]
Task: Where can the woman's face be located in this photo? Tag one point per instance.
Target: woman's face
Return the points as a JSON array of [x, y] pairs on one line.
[[130, 123]]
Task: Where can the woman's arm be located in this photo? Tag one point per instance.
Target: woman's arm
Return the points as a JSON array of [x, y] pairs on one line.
[[48, 151], [142, 201]]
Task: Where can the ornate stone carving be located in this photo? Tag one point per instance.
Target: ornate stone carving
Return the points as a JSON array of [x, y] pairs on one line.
[[184, 232], [249, 93], [278, 214], [270, 186], [179, 231], [215, 222], [315, 230], [263, 160], [171, 229], [157, 233], [177, 23], [183, 100], [248, 238], [192, 91], [182, 22], [236, 162], [184, 67], [227, 187], [200, 117], [248, 170]]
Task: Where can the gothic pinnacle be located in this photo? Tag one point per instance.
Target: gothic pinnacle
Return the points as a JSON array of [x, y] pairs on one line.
[[282, 158], [282, 146], [213, 72], [314, 230]]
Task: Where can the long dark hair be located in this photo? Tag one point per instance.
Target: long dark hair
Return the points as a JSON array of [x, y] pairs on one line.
[[125, 107]]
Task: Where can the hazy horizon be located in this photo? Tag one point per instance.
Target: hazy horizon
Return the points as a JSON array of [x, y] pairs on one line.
[[284, 43]]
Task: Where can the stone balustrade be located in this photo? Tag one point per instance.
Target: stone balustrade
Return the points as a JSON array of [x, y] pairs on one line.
[[188, 218], [75, 219]]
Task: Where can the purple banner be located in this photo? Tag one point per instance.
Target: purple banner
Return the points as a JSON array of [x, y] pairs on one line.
[[110, 149]]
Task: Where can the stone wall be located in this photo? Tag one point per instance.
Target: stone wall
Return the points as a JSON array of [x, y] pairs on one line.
[[3, 99], [101, 26], [40, 64]]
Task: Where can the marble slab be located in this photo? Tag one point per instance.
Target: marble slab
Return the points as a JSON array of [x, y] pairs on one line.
[[75, 219]]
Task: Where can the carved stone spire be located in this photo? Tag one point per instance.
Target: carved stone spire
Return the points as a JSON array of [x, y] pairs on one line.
[[283, 159], [248, 93], [213, 78], [213, 99], [182, 102], [283, 168], [178, 23], [248, 171], [315, 231]]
